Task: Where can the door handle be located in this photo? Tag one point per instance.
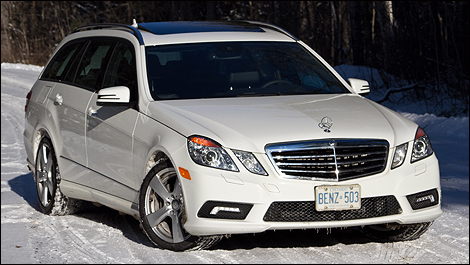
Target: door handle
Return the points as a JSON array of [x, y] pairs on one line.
[[58, 100]]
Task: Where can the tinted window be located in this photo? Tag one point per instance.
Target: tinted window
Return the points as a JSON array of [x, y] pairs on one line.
[[70, 76], [56, 68], [91, 66], [232, 69], [121, 69]]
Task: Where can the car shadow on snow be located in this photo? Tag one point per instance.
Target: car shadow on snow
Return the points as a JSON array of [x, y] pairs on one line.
[[24, 186], [294, 239], [269, 239], [106, 216]]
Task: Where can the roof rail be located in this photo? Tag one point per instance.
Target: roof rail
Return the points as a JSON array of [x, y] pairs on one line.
[[271, 26], [132, 30]]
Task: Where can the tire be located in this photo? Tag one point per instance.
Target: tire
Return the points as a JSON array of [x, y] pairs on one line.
[[162, 211], [392, 233], [47, 179]]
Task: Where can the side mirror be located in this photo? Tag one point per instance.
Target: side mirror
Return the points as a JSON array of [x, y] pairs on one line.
[[113, 96], [359, 86]]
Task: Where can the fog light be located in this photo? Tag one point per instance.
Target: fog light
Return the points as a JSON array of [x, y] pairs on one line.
[[217, 209], [224, 210], [428, 197], [423, 199]]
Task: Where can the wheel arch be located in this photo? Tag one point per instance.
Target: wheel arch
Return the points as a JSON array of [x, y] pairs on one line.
[[41, 132], [38, 136], [158, 156]]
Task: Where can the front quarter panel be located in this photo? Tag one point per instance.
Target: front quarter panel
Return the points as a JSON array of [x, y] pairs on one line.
[[150, 138]]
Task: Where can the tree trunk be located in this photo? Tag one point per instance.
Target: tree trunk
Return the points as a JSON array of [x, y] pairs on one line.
[[357, 43], [6, 44], [345, 34], [333, 30], [311, 16], [210, 10], [303, 20], [385, 17]]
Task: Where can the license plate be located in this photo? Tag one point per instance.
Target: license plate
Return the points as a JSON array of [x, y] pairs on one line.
[[337, 197]]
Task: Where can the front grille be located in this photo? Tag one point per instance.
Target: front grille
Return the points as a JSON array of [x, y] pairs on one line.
[[329, 160], [304, 211]]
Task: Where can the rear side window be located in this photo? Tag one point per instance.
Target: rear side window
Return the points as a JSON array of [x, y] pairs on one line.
[[55, 70], [93, 63]]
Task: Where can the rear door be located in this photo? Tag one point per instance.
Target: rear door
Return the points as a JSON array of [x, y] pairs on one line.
[[66, 107], [70, 98]]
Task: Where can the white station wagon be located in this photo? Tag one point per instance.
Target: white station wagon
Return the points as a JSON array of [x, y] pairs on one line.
[[205, 129]]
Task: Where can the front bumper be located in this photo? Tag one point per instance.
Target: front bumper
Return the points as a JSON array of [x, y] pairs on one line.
[[209, 186]]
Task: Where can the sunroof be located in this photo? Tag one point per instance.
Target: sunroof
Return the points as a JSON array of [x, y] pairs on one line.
[[162, 28]]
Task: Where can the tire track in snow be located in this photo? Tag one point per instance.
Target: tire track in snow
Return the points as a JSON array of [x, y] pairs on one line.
[[68, 242]]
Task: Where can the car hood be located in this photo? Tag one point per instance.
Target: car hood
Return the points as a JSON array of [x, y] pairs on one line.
[[250, 123]]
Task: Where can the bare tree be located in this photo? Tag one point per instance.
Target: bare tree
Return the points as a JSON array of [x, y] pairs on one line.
[[7, 55], [422, 42]]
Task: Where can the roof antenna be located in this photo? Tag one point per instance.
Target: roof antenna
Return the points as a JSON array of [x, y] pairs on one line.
[[134, 23]]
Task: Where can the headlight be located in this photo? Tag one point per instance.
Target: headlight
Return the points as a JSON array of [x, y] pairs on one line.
[[250, 162], [399, 156], [421, 147], [206, 152]]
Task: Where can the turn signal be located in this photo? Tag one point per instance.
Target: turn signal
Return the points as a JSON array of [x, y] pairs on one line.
[[203, 141], [184, 173]]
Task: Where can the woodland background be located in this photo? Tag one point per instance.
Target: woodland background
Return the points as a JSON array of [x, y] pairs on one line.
[[425, 43]]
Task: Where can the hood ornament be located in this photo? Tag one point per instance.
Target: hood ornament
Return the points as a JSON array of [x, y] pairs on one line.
[[326, 124]]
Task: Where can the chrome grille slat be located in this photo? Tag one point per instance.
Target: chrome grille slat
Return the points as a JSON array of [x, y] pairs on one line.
[[305, 164], [330, 160], [326, 164], [352, 169], [361, 161], [356, 154], [307, 171], [303, 157]]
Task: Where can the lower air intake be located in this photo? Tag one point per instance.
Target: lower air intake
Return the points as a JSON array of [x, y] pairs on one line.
[[304, 211]]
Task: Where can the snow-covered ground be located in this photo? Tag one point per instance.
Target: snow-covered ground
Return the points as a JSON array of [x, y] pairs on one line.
[[101, 235]]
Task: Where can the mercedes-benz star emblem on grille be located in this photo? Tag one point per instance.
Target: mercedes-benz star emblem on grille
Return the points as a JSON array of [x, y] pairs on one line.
[[326, 124]]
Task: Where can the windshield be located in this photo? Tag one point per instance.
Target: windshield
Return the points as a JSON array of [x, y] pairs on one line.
[[236, 69]]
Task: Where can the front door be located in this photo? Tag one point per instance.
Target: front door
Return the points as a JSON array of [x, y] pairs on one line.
[[109, 129]]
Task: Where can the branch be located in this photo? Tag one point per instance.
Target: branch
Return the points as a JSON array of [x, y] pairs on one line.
[[395, 90]]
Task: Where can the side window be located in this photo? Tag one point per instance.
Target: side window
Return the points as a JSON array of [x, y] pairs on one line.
[[121, 70], [55, 69], [70, 76], [92, 63]]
